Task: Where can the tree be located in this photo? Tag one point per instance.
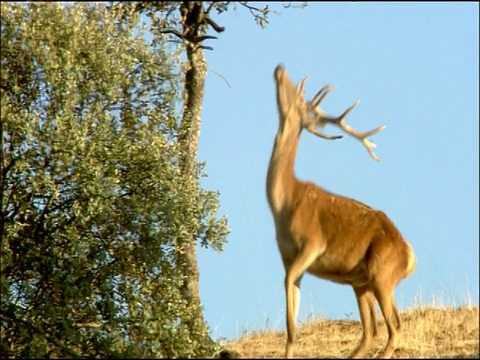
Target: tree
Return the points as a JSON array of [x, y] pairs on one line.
[[187, 23], [97, 211]]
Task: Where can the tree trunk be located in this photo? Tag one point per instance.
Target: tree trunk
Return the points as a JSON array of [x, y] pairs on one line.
[[189, 134]]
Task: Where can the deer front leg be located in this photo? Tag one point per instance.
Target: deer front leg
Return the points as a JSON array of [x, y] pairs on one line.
[[294, 273], [292, 312]]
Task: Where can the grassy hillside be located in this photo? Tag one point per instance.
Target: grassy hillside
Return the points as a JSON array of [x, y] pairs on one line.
[[427, 333]]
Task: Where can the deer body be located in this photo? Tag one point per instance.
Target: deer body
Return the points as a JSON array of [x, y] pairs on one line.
[[327, 235]]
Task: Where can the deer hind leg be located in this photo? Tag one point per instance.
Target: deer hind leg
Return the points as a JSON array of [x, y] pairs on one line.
[[397, 316], [294, 272], [384, 293], [366, 304]]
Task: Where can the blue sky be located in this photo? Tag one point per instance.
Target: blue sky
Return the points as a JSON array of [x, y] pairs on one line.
[[415, 68]]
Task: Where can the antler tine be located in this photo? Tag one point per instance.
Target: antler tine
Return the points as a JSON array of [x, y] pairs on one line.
[[321, 116], [314, 131], [362, 136], [313, 106], [318, 98], [301, 85]]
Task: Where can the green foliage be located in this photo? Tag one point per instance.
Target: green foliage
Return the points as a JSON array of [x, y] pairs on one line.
[[93, 215]]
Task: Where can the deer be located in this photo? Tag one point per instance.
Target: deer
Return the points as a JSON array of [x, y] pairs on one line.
[[330, 236]]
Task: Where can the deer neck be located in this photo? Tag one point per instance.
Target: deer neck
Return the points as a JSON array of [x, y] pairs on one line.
[[281, 180]]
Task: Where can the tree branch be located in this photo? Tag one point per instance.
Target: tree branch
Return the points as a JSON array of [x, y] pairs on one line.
[[172, 31], [210, 7], [11, 315], [213, 24], [206, 47], [200, 38]]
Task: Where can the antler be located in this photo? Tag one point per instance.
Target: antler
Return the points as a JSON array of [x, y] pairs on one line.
[[311, 126], [322, 119]]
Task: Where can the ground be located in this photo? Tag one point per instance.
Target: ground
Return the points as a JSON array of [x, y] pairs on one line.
[[427, 333]]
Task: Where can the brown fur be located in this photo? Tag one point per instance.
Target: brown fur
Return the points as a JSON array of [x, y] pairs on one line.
[[331, 236]]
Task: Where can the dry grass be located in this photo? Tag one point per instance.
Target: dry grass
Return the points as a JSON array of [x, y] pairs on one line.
[[427, 333]]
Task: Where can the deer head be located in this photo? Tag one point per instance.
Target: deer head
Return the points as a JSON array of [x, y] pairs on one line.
[[310, 116]]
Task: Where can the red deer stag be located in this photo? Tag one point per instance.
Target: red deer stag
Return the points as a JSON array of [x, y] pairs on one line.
[[327, 235]]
